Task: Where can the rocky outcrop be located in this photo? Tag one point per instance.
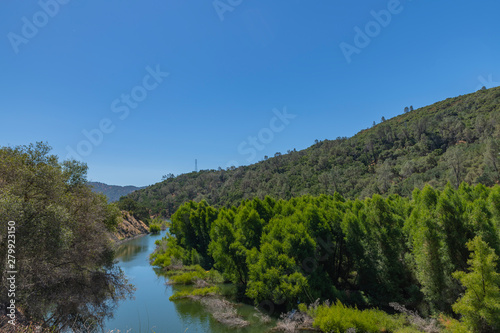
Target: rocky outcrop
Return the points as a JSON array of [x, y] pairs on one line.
[[129, 227]]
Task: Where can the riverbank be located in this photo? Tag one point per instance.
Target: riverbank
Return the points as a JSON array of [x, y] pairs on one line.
[[128, 229], [151, 309]]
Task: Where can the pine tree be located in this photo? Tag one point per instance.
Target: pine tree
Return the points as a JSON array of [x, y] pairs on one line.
[[480, 304]]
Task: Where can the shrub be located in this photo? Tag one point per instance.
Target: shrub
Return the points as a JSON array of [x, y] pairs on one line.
[[195, 292], [452, 325], [167, 249], [339, 318], [154, 228], [214, 277], [191, 275]]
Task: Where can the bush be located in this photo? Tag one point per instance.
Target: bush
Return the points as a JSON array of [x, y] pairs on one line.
[[167, 252], [339, 318], [192, 274], [452, 325], [214, 277], [154, 228], [195, 292]]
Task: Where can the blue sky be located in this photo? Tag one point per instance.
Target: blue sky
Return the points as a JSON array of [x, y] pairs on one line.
[[245, 78]]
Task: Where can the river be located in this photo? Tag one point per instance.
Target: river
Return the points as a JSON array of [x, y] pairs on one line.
[[151, 310]]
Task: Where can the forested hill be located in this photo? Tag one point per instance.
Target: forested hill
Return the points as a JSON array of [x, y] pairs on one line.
[[112, 192], [453, 140]]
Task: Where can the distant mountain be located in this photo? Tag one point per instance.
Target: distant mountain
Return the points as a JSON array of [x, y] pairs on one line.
[[113, 192], [454, 140]]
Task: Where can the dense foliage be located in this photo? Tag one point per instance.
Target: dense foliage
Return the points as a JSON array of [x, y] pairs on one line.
[[362, 252], [454, 140], [65, 271], [480, 305], [338, 318]]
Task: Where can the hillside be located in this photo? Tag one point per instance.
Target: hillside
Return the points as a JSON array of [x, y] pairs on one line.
[[113, 192], [454, 140]]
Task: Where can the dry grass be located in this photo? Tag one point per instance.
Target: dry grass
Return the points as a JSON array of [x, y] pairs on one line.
[[175, 265], [224, 312], [200, 283], [425, 325], [294, 321], [263, 318]]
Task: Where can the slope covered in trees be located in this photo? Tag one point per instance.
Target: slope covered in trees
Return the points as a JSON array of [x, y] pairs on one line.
[[454, 140], [112, 192], [371, 252]]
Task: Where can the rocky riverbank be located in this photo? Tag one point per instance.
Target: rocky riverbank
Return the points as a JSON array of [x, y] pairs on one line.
[[129, 228]]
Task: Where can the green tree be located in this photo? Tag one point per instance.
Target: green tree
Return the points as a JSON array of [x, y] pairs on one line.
[[386, 240], [66, 275], [191, 226], [276, 274], [249, 227], [455, 158], [450, 217], [426, 243], [228, 253], [480, 304], [492, 158]]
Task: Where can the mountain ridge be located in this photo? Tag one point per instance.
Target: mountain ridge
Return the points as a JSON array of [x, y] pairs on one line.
[[112, 192], [453, 140]]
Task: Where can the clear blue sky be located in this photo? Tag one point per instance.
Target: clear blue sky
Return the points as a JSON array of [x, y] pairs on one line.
[[80, 66]]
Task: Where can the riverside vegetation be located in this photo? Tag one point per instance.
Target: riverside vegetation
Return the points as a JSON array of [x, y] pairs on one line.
[[436, 252], [65, 277], [403, 217], [157, 224]]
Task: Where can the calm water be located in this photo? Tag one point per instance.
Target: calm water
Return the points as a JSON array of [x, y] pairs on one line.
[[151, 311]]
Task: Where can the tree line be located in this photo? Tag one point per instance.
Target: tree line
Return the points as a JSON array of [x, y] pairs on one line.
[[456, 140], [436, 252]]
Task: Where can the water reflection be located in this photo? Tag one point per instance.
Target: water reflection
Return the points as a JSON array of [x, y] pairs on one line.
[[193, 313], [127, 252], [151, 310]]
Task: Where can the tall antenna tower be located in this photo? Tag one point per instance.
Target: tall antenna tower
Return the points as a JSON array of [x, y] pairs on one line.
[[196, 165]]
